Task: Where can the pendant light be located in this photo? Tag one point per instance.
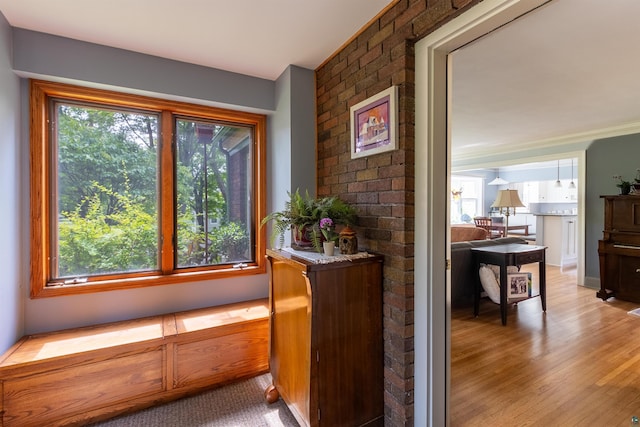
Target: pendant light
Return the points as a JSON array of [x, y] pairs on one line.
[[572, 184], [498, 180], [558, 183]]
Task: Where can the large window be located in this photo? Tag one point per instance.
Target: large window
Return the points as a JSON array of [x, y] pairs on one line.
[[135, 191]]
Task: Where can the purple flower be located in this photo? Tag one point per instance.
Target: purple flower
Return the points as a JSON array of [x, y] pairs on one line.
[[326, 223], [326, 226]]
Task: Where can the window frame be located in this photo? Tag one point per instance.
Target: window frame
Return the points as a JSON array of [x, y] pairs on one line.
[[41, 92]]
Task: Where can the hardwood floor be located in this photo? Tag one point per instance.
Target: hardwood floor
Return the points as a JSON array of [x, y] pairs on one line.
[[576, 364]]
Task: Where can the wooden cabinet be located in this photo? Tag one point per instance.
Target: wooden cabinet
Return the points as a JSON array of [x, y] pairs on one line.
[[619, 249], [81, 375], [326, 351]]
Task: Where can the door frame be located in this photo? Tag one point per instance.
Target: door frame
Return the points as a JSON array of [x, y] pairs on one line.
[[432, 156]]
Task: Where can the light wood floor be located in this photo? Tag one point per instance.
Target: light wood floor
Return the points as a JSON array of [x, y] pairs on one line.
[[576, 364]]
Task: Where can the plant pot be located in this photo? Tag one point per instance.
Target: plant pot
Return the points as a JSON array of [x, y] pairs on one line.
[[302, 237], [329, 248]]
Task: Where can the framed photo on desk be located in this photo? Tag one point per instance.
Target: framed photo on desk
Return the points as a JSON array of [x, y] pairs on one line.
[[518, 285]]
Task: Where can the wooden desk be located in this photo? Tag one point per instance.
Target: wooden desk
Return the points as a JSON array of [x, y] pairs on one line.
[[504, 255]]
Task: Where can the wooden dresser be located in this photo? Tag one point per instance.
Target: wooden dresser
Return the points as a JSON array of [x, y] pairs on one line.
[[619, 249], [326, 350]]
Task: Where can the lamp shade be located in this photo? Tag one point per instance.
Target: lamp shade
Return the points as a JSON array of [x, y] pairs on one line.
[[498, 181], [507, 199]]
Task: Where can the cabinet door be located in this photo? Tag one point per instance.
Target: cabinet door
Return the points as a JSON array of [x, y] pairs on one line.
[[629, 278], [290, 354], [542, 191], [348, 332], [623, 214], [569, 241], [549, 193], [529, 192], [553, 239]]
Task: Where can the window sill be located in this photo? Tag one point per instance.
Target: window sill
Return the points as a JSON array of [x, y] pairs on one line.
[[147, 281]]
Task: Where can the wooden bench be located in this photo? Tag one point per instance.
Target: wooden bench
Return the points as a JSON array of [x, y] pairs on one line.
[[88, 374]]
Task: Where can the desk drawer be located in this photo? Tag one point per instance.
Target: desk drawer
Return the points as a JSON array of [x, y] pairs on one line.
[[529, 258]]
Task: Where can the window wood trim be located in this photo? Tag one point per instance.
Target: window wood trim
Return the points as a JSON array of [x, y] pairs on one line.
[[40, 92]]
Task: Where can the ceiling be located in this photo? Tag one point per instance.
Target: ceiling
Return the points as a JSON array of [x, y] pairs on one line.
[[565, 71], [254, 37]]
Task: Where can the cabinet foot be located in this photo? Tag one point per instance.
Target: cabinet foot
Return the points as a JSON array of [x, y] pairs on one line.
[[271, 394]]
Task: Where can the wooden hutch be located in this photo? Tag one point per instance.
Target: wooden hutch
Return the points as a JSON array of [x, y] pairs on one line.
[[619, 249], [326, 349]]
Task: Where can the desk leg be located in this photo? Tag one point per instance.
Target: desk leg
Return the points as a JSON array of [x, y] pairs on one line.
[[543, 283], [503, 292], [476, 294]]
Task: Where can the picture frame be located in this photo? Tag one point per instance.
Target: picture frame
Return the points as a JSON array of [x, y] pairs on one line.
[[374, 124], [518, 285]]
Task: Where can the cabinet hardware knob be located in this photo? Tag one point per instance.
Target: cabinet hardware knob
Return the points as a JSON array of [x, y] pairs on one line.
[[637, 270]]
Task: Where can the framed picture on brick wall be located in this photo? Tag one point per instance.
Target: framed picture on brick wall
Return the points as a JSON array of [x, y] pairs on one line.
[[374, 124]]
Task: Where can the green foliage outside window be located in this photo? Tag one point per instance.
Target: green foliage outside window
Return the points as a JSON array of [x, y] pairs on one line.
[[107, 195]]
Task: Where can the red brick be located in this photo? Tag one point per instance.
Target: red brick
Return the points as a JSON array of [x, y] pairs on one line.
[[381, 187], [370, 56]]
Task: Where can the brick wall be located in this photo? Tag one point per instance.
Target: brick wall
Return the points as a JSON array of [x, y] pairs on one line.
[[381, 186]]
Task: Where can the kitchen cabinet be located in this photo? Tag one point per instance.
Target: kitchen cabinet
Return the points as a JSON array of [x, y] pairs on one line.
[[559, 233], [326, 351], [549, 193]]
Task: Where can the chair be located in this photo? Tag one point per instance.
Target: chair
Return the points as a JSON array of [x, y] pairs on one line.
[[485, 222]]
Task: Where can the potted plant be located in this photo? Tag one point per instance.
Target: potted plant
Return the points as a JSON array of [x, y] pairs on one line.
[[302, 215], [624, 186], [636, 182]]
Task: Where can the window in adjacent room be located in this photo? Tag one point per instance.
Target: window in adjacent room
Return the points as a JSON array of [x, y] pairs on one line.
[[134, 191], [466, 198]]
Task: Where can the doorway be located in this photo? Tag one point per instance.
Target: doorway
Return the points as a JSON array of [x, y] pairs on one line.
[[432, 305]]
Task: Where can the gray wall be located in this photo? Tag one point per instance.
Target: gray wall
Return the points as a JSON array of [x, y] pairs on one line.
[[12, 254], [605, 158], [291, 157], [39, 54], [60, 59]]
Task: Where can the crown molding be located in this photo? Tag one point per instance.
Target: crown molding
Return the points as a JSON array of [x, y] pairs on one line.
[[559, 144]]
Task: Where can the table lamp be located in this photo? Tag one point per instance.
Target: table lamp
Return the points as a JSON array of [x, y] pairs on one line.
[[507, 201]]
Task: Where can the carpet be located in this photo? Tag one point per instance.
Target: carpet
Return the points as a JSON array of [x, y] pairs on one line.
[[237, 405]]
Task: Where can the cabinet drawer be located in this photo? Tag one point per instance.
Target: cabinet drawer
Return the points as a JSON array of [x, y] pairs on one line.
[[528, 258]]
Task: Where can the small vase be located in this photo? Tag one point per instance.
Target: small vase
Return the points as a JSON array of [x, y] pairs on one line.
[[328, 248]]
